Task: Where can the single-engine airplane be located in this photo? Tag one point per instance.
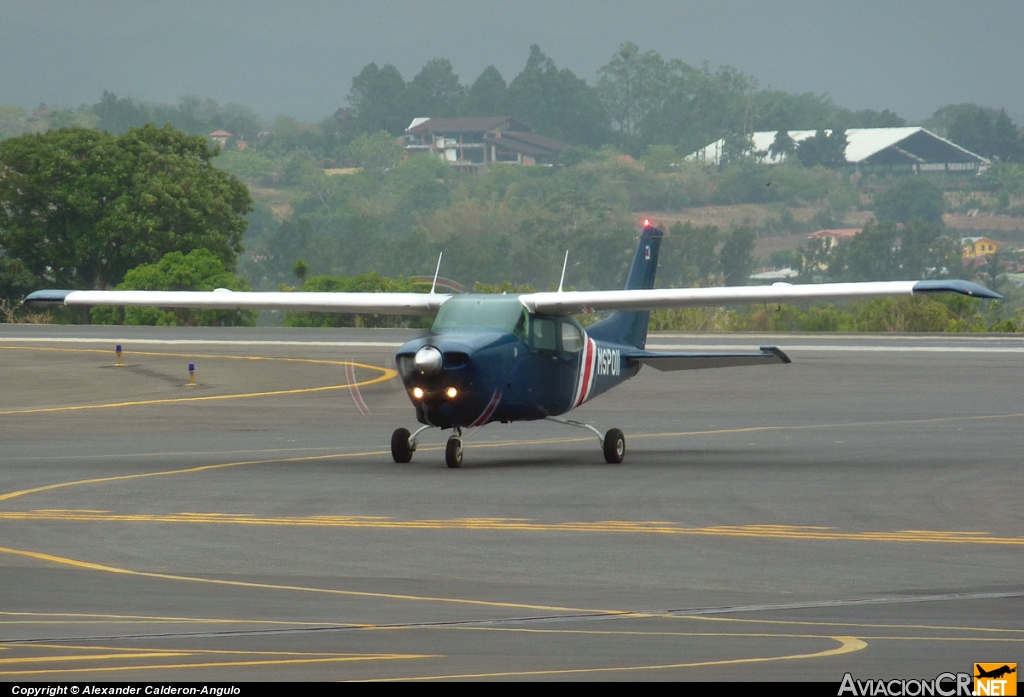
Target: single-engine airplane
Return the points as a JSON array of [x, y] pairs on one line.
[[524, 357]]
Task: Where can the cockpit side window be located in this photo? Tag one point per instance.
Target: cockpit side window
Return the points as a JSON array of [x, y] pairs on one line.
[[520, 330], [544, 333]]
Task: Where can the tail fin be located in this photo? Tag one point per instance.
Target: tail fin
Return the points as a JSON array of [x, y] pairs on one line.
[[631, 327]]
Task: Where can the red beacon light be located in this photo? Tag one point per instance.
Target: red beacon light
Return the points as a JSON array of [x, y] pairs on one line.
[[647, 223]]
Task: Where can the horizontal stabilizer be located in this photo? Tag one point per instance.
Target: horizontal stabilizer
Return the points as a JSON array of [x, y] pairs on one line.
[[694, 361], [369, 303]]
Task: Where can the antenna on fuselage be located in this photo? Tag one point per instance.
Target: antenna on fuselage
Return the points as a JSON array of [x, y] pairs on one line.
[[564, 263], [436, 272]]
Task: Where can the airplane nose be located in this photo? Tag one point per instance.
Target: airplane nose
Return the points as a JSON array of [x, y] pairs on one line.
[[427, 360]]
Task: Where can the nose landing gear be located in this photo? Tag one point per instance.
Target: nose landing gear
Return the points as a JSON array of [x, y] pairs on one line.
[[453, 451]]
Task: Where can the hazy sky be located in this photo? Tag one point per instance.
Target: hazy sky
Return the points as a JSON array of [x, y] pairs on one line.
[[298, 58]]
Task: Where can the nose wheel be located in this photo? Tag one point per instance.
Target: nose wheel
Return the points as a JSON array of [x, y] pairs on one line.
[[453, 452]]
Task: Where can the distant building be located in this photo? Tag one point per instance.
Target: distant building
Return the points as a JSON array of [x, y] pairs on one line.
[[474, 142], [908, 149], [978, 246], [834, 237], [775, 275], [220, 137]]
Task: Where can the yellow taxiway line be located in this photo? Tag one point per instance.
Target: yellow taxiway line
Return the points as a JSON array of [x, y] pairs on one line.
[[778, 532]]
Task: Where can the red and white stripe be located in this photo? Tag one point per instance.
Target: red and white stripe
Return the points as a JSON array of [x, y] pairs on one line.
[[485, 415], [585, 379]]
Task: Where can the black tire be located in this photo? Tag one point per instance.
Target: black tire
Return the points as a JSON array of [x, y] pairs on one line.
[[453, 452], [400, 449], [614, 446]]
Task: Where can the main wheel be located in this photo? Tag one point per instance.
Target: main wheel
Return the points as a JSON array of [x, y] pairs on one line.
[[400, 449], [453, 452], [614, 446]]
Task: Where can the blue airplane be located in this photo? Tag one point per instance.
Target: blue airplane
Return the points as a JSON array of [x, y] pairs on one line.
[[524, 357]]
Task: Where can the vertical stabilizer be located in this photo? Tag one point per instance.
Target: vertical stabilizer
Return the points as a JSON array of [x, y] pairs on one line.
[[631, 327]]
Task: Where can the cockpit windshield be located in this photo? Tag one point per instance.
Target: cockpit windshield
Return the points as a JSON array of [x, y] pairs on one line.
[[494, 312]]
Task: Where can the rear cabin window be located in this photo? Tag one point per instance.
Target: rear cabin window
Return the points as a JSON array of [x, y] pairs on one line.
[[572, 338]]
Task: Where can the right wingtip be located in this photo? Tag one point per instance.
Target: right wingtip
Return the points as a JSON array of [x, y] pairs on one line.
[[974, 290], [777, 352]]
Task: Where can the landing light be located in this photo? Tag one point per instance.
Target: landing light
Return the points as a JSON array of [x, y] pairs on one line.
[[452, 393], [417, 392]]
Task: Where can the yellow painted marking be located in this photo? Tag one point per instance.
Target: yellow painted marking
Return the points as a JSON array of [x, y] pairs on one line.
[[808, 427], [707, 618], [188, 470], [302, 589], [386, 374], [848, 644], [321, 361], [197, 652], [90, 618], [96, 657], [783, 532], [225, 664], [710, 635]]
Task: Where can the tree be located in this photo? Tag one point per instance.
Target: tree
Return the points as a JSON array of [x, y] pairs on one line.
[[80, 207], [15, 280], [487, 95], [823, 148], [366, 283], [629, 87], [971, 128], [117, 115], [198, 270], [737, 147], [13, 121], [435, 91], [375, 152], [378, 98], [688, 255], [782, 146], [556, 103], [869, 118], [889, 252], [698, 106], [736, 257], [1006, 141], [910, 198]]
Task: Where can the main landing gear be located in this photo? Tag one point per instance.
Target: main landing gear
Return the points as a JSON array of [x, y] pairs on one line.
[[613, 443], [403, 444]]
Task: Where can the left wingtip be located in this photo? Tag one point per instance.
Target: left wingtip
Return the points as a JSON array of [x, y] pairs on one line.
[[46, 298]]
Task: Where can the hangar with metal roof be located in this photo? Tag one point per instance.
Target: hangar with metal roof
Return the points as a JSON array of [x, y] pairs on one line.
[[908, 149]]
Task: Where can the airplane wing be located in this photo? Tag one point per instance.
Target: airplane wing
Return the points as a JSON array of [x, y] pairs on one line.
[[369, 303], [694, 361], [586, 301]]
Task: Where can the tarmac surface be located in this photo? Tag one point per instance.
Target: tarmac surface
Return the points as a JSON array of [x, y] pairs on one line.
[[856, 511]]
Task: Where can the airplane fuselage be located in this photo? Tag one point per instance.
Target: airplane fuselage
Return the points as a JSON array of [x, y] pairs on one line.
[[537, 367]]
